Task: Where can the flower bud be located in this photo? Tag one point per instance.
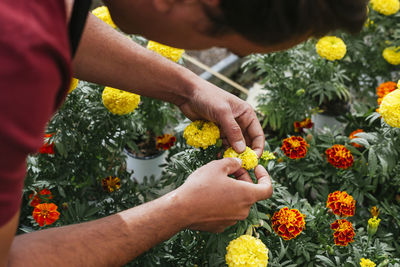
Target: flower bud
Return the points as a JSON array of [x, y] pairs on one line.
[[373, 225], [300, 92]]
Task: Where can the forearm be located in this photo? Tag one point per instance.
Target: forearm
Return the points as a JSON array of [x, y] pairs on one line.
[[107, 57], [111, 241]]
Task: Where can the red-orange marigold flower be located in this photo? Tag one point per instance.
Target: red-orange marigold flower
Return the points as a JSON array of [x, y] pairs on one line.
[[300, 125], [340, 157], [45, 214], [111, 184], [44, 194], [352, 136], [165, 141], [344, 232], [341, 204], [385, 88], [47, 147], [288, 223], [295, 147]]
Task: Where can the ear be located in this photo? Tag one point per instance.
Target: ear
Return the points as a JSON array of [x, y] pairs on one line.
[[163, 6]]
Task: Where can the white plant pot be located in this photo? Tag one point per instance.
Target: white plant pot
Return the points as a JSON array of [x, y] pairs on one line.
[[145, 166], [320, 121]]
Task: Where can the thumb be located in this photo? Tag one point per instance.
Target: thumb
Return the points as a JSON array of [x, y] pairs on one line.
[[263, 189], [233, 132], [229, 165]]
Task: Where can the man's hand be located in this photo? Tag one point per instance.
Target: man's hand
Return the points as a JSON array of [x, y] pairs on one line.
[[212, 201], [238, 121]]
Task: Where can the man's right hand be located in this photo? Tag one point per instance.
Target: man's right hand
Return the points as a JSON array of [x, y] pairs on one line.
[[212, 201]]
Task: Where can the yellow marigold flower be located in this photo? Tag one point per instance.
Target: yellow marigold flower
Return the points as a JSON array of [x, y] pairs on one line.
[[169, 52], [385, 7], [246, 251], [201, 134], [73, 85], [373, 225], [249, 157], [375, 211], [390, 108], [331, 47], [103, 14], [111, 184], [120, 102], [288, 223], [392, 55], [266, 155], [341, 203], [367, 263]]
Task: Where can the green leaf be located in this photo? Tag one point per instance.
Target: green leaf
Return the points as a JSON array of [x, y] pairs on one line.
[[372, 162], [325, 260]]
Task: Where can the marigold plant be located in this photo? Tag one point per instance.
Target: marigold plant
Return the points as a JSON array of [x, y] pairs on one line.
[[201, 134], [288, 223], [299, 126], [331, 48], [246, 251], [340, 157], [392, 55], [352, 136], [169, 52], [341, 204], [104, 14], [295, 147], [120, 102], [249, 157], [385, 7], [343, 232], [111, 184], [165, 141], [73, 85], [373, 225], [390, 108], [367, 263], [47, 147], [44, 194], [45, 214]]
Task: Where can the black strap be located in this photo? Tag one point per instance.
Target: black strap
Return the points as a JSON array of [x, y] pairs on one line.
[[77, 23]]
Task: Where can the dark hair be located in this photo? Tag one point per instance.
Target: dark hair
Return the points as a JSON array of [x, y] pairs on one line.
[[276, 21]]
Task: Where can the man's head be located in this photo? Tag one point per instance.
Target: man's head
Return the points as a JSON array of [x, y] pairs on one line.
[[243, 26]]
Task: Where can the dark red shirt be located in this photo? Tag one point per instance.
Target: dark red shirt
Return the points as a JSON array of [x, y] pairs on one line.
[[35, 70]]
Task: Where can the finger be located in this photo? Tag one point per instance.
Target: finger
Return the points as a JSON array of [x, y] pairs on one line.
[[251, 126], [229, 165], [233, 132], [243, 175], [263, 189]]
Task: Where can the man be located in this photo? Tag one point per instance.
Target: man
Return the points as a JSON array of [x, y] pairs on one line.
[[36, 63]]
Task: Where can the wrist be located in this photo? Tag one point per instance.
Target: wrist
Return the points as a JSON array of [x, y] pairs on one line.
[[187, 83], [179, 209]]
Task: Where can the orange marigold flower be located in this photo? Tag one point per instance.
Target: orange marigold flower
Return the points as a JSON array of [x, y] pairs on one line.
[[111, 184], [344, 232], [288, 223], [300, 125], [375, 211], [339, 156], [45, 214], [47, 147], [44, 194], [165, 141], [295, 147], [385, 88], [352, 136], [341, 204]]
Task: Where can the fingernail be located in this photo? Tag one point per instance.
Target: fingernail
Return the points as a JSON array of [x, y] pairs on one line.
[[241, 146], [239, 160]]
